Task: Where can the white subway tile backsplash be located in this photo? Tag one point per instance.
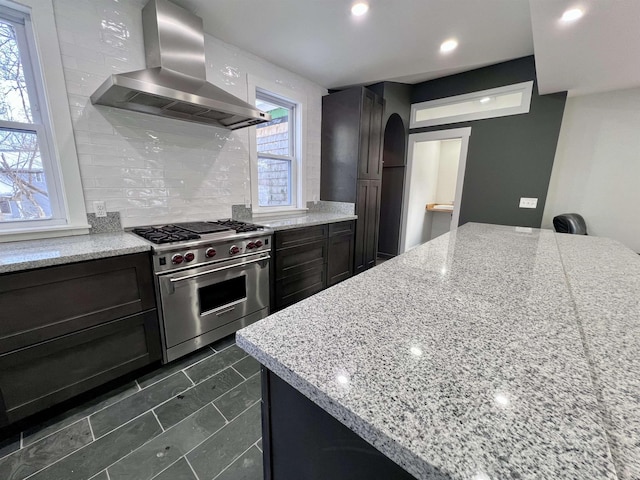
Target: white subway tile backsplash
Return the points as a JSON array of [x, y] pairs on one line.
[[156, 170]]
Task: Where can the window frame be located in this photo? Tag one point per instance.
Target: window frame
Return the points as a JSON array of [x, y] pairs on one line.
[[526, 88], [277, 92], [50, 111], [262, 94]]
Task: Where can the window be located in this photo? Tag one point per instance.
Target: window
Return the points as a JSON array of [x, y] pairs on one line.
[[26, 177], [39, 173], [278, 148], [496, 102], [275, 144], [5, 207]]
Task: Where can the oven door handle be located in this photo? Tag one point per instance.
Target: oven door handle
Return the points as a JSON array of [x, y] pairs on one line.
[[219, 269]]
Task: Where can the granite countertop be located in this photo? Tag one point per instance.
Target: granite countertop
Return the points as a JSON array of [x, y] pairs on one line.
[[307, 220], [488, 353], [24, 255]]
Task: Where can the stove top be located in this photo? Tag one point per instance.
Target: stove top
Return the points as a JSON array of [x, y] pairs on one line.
[[185, 232]]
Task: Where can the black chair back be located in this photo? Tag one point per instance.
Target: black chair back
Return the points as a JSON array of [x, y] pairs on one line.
[[570, 223]]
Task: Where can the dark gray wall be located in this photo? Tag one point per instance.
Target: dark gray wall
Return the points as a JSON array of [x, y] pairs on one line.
[[509, 157]]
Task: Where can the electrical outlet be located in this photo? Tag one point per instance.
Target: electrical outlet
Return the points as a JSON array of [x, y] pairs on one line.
[[100, 209], [528, 202]]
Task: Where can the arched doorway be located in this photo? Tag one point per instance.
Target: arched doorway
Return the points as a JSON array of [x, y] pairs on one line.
[[393, 157]]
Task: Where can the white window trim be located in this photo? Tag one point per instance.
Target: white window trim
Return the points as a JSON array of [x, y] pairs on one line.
[[62, 144], [525, 87], [272, 88]]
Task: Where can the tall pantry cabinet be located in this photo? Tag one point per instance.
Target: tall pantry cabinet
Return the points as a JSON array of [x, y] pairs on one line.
[[352, 163]]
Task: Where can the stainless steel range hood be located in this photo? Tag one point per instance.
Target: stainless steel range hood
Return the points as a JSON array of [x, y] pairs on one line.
[[174, 83]]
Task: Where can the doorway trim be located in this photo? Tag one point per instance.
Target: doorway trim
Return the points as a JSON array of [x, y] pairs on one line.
[[447, 134]]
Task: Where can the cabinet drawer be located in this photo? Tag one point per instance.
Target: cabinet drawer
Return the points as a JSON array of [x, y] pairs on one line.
[[342, 228], [298, 236], [37, 377], [295, 260], [39, 305], [298, 287]]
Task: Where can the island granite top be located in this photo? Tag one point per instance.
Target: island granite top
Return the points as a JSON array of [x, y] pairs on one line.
[[300, 221], [464, 358], [25, 255]]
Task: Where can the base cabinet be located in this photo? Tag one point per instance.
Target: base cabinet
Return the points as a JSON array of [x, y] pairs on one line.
[[340, 252], [307, 260], [102, 325]]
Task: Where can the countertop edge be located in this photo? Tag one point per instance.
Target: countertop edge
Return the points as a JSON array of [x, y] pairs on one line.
[[89, 253], [272, 223], [399, 454]]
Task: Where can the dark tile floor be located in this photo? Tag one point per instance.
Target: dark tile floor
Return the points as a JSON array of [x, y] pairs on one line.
[[197, 418]]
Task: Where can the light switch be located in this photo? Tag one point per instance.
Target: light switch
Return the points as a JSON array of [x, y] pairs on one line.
[[528, 202]]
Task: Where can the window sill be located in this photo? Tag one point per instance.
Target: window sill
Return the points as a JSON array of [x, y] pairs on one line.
[[37, 233], [280, 212]]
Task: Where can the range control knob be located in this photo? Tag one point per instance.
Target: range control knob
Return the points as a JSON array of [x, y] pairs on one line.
[[234, 250], [258, 243], [251, 245], [189, 256], [177, 259], [210, 253]]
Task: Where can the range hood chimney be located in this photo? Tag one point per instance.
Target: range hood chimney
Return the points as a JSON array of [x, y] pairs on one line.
[[174, 83]]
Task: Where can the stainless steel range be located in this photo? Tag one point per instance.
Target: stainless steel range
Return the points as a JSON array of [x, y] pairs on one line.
[[212, 278]]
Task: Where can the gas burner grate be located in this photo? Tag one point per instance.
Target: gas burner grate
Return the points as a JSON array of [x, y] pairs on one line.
[[238, 226], [166, 234]]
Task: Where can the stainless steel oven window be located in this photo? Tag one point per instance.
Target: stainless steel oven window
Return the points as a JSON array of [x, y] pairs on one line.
[[222, 295]]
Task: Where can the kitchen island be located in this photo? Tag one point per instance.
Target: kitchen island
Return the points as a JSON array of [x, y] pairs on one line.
[[489, 353]]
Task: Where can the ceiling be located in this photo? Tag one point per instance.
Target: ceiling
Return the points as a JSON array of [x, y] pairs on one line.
[[599, 52], [399, 40], [396, 40]]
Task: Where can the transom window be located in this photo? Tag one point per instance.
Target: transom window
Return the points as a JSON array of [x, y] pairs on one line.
[[28, 181], [277, 162], [496, 102]]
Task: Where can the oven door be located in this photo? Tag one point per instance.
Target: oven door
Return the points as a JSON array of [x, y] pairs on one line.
[[199, 300]]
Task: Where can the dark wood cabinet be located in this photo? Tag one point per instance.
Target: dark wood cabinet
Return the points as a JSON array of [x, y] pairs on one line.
[[352, 133], [70, 328], [366, 237], [307, 260], [340, 260]]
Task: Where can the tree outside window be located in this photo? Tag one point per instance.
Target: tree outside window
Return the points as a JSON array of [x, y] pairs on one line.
[[23, 186]]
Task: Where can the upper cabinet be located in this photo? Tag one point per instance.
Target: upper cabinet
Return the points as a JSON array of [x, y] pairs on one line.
[[351, 142], [370, 158]]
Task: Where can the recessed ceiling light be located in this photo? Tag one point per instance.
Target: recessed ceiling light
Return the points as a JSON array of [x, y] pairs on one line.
[[359, 9], [485, 100], [448, 46], [572, 15]]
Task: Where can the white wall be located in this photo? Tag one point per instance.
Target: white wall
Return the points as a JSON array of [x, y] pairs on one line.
[[157, 170], [448, 170], [596, 171], [423, 182]]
